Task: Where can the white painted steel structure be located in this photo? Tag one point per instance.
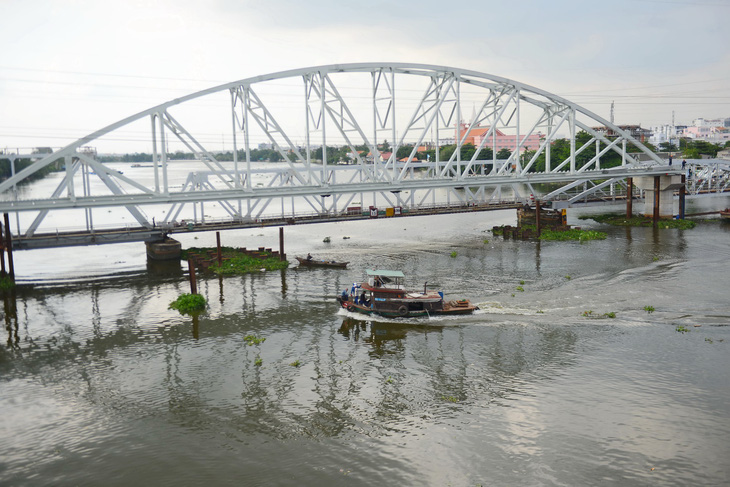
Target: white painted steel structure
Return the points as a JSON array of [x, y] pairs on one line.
[[298, 111]]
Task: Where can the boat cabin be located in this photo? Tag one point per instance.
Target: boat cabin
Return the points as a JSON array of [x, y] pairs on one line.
[[386, 279]]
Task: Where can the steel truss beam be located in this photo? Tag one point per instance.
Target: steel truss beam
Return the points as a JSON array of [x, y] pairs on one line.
[[352, 105]]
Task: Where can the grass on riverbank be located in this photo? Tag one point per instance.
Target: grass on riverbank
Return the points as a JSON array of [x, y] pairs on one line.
[[638, 221]]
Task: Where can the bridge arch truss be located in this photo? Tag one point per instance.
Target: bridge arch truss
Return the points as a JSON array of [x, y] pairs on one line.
[[303, 114]]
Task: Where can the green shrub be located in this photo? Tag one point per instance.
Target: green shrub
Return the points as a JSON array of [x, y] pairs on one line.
[[189, 304]]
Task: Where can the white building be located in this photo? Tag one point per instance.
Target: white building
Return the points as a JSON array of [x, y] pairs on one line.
[[666, 134], [714, 122]]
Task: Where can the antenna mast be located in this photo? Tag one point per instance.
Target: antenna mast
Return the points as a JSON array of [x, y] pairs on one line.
[[611, 112]]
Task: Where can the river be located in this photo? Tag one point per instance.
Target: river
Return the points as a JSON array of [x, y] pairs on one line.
[[102, 384]]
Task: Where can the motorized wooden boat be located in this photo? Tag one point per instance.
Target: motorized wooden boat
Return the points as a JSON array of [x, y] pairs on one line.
[[384, 294], [725, 214], [321, 263]]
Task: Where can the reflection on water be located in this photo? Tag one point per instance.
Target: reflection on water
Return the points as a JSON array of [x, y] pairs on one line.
[[100, 380]]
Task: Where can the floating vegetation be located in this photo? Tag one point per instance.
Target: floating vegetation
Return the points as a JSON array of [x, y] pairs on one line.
[[485, 241], [258, 362], [244, 264], [327, 240], [540, 311], [522, 283], [454, 254], [234, 261], [568, 278], [649, 309], [573, 234], [638, 221], [589, 314], [709, 340], [450, 398], [296, 363], [253, 340], [189, 304], [682, 329], [520, 288]]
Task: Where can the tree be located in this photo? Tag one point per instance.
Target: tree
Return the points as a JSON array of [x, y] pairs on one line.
[[403, 151], [668, 147], [504, 153], [446, 151]]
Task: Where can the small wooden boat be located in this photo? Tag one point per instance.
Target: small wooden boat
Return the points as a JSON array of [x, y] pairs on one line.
[[384, 294], [321, 263], [725, 214]]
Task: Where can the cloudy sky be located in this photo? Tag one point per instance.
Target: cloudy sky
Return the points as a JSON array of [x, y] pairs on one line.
[[69, 67]]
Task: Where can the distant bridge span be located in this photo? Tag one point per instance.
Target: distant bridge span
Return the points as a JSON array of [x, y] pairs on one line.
[[303, 115]]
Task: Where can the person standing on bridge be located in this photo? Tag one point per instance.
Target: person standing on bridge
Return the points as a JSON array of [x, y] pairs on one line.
[[684, 163], [670, 159]]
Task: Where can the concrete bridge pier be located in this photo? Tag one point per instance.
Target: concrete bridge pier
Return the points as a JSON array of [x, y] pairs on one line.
[[659, 194]]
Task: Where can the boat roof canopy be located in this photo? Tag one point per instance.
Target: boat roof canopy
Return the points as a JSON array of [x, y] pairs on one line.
[[384, 273]]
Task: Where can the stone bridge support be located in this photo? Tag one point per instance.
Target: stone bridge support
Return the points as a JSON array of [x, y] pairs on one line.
[[664, 186]]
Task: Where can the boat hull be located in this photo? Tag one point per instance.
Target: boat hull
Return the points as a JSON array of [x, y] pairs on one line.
[[404, 312], [321, 263]]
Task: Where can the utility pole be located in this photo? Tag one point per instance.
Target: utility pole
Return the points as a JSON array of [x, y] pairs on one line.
[[611, 113]]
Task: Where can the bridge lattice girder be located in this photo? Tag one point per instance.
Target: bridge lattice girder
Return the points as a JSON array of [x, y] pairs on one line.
[[350, 104]]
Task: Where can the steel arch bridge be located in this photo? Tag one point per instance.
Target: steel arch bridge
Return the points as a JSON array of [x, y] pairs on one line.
[[303, 114]]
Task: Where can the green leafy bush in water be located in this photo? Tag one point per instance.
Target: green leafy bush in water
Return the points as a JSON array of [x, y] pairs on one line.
[[454, 254], [573, 234], [189, 304], [638, 221]]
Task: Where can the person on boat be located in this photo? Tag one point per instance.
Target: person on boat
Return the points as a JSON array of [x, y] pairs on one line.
[[309, 257], [344, 295]]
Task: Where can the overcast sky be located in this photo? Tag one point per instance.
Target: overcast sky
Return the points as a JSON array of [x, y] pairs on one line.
[[69, 67]]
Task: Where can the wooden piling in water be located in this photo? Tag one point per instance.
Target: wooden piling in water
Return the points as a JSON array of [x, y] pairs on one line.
[[9, 246], [629, 197], [657, 185], [191, 272], [282, 256], [682, 192], [218, 245], [537, 217]]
